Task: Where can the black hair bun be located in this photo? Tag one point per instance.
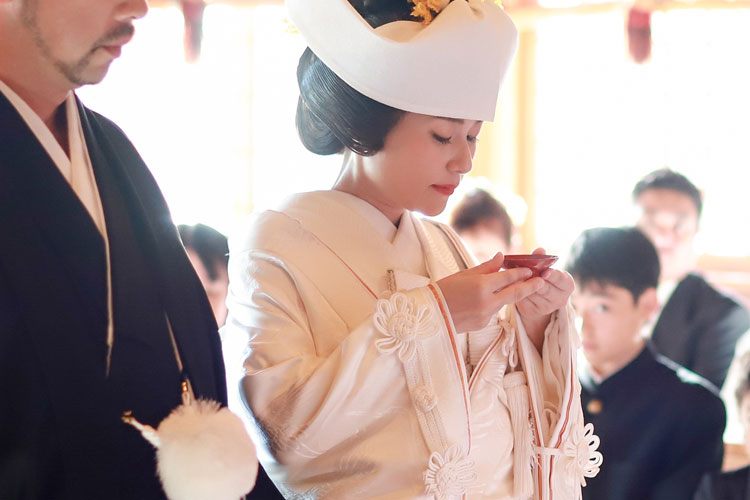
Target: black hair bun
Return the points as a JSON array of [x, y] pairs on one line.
[[313, 131], [315, 135], [379, 12], [332, 116]]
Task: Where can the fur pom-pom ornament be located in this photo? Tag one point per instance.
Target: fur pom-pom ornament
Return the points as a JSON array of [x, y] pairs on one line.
[[203, 452]]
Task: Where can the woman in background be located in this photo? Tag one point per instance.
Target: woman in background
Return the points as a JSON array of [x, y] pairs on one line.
[[483, 224]]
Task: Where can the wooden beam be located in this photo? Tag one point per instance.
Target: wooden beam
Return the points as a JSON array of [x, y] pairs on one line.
[[237, 3], [527, 15]]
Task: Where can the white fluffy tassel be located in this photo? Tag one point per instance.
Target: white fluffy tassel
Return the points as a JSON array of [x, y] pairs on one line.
[[203, 452], [523, 452]]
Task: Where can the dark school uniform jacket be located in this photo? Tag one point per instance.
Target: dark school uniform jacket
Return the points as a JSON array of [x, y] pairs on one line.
[[730, 485], [660, 428]]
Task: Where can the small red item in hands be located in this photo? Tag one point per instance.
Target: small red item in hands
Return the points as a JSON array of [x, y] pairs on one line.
[[536, 262]]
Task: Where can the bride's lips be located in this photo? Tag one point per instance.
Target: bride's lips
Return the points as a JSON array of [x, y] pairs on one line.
[[446, 189]]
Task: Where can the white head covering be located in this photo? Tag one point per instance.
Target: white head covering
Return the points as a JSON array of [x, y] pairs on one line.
[[452, 67]]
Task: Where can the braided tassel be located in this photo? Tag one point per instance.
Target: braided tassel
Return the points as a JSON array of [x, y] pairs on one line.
[[518, 403]]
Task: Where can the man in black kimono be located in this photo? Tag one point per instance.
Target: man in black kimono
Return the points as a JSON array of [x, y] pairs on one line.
[[698, 326], [92, 273], [660, 426]]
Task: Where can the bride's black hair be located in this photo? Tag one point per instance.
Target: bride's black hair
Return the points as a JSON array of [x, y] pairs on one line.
[[331, 115]]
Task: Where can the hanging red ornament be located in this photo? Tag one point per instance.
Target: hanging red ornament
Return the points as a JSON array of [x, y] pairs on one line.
[[192, 10], [639, 34]]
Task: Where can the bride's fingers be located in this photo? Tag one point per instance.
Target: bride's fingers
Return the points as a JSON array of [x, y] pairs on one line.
[[499, 280], [517, 292], [559, 279]]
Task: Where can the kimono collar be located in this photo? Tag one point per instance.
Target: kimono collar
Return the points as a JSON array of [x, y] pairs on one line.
[[629, 376], [375, 217], [349, 230], [76, 169], [402, 238], [39, 129]]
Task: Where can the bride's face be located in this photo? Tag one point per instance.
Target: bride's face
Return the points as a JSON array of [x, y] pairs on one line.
[[422, 161]]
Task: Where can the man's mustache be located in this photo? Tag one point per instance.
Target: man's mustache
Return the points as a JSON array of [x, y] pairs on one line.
[[116, 33]]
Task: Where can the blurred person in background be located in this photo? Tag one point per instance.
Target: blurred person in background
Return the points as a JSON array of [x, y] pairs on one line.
[[208, 251], [734, 484], [698, 326], [483, 223], [660, 425]]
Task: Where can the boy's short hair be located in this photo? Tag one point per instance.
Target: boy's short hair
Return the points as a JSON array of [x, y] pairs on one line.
[[622, 257], [665, 178]]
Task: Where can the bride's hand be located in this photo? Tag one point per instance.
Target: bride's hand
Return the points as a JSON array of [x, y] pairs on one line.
[[535, 309], [474, 295]]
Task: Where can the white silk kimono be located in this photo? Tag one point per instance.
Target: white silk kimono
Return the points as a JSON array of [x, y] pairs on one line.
[[360, 387]]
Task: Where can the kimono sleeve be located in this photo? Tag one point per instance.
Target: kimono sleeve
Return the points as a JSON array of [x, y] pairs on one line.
[[307, 400]]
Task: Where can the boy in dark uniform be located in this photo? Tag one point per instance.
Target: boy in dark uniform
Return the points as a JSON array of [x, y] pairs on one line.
[[660, 425]]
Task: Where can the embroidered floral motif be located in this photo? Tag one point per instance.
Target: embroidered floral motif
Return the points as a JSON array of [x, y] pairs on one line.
[[402, 324], [449, 475], [581, 446], [424, 399]]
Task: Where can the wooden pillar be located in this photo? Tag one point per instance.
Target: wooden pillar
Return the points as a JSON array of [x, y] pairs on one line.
[[526, 132]]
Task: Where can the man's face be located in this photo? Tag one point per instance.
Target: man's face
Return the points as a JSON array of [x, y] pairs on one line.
[[670, 219], [80, 38], [611, 323]]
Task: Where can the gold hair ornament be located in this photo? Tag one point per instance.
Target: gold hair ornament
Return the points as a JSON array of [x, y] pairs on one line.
[[428, 9]]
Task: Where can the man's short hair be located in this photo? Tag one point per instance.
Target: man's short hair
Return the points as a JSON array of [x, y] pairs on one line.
[[664, 178], [622, 257]]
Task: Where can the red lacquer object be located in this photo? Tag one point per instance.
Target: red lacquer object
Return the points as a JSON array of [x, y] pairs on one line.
[[536, 262]]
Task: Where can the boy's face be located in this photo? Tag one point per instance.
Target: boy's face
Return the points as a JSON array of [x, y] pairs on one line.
[[611, 323]]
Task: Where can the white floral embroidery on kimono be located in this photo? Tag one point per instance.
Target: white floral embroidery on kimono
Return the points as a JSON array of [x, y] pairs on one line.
[[358, 385]]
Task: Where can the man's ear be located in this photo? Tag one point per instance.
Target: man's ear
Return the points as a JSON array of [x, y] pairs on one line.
[[647, 305]]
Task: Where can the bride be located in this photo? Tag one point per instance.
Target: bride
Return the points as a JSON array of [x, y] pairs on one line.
[[382, 362]]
